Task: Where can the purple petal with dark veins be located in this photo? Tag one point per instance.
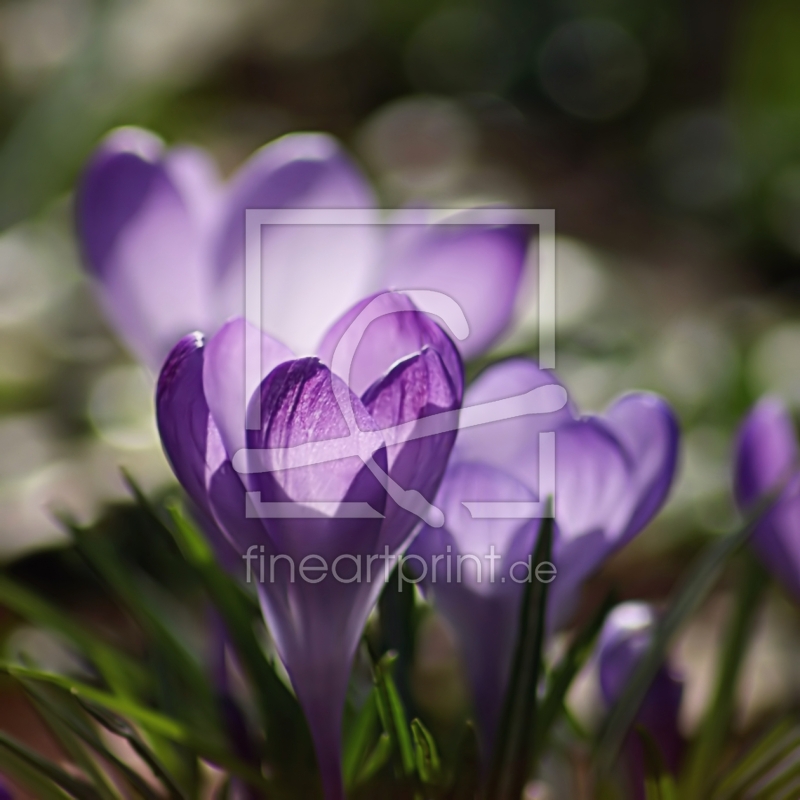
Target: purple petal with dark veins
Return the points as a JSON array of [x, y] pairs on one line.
[[378, 332], [317, 625], [415, 389]]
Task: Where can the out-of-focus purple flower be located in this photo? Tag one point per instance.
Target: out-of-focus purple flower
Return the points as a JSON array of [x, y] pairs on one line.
[[410, 370], [625, 638], [766, 460], [612, 474], [164, 239]]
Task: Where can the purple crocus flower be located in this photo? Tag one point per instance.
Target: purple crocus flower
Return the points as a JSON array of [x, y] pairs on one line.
[[766, 460], [164, 239], [612, 474], [323, 569], [625, 638]]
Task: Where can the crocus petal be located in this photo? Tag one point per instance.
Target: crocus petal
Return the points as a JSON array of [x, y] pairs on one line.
[[510, 444], [303, 403], [228, 385], [379, 331], [195, 174], [143, 245], [190, 439], [766, 457], [648, 428], [766, 451], [317, 625], [594, 499], [624, 640], [593, 481], [478, 266], [310, 274], [477, 593], [776, 540], [416, 388], [183, 416]]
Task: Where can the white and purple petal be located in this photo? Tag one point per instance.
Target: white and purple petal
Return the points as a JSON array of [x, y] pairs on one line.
[[647, 427], [479, 266], [310, 274], [478, 594], [144, 245], [228, 384], [189, 437], [512, 443], [624, 640], [766, 460]]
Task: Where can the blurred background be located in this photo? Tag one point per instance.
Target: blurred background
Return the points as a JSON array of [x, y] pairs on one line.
[[666, 135]]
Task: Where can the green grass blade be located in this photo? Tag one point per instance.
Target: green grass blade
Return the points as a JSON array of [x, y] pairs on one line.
[[767, 754], [120, 727], [121, 672], [703, 757], [392, 713], [361, 734], [510, 765], [76, 787], [564, 673], [429, 765], [152, 721], [73, 747]]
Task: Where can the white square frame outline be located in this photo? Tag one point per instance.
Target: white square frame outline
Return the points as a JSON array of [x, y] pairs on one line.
[[542, 219]]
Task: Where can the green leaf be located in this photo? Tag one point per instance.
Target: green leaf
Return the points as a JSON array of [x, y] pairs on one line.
[[120, 727], [76, 787], [66, 711], [777, 745], [181, 673], [121, 672], [696, 585], [284, 724], [398, 619], [73, 746], [392, 714], [702, 761], [509, 770], [659, 783], [783, 785], [356, 745], [564, 672], [429, 765], [32, 778], [150, 720], [378, 758]]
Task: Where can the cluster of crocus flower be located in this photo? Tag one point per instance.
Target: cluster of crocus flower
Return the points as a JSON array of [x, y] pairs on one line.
[[343, 447]]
